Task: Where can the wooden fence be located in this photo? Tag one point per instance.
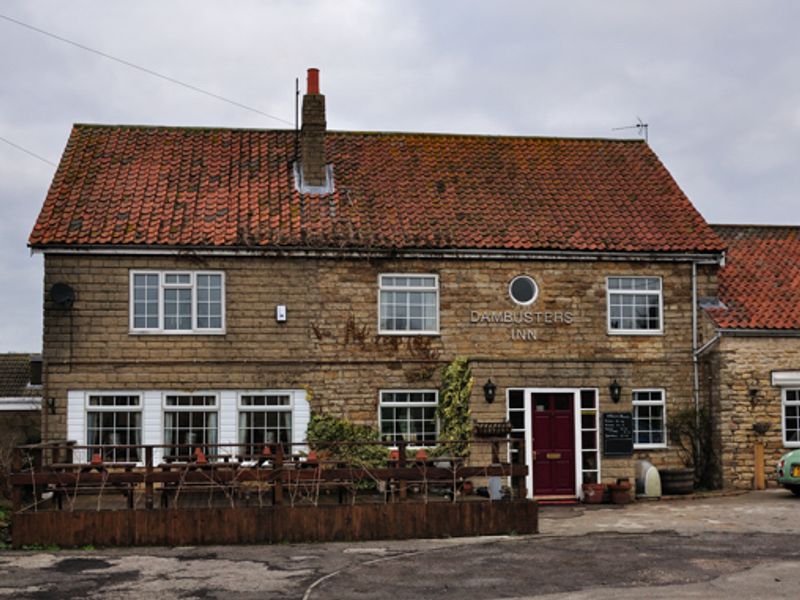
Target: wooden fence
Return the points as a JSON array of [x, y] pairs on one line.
[[269, 495], [358, 522]]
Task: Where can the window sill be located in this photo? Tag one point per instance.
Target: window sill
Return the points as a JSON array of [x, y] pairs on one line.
[[653, 332], [408, 333], [176, 332], [650, 447]]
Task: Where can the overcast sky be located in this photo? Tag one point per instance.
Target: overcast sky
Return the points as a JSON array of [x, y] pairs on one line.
[[717, 81]]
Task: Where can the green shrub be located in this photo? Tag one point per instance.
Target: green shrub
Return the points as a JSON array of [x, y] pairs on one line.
[[692, 432], [326, 431], [455, 419]]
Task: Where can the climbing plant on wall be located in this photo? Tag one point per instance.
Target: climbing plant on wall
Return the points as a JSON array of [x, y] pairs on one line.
[[455, 419]]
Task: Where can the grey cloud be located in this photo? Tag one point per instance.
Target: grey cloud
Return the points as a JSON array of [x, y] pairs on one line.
[[718, 81]]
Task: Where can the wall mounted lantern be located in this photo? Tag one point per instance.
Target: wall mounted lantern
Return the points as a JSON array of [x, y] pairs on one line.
[[616, 391], [752, 391], [489, 389], [51, 405]]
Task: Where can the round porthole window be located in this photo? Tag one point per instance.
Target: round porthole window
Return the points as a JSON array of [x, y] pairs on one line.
[[523, 290]]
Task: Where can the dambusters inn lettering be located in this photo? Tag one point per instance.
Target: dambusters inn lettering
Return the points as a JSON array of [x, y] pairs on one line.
[[521, 317]]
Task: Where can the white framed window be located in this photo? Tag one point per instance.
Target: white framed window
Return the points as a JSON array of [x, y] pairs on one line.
[[635, 305], [408, 304], [791, 417], [177, 302], [649, 419], [409, 415], [114, 419], [191, 421], [265, 418]]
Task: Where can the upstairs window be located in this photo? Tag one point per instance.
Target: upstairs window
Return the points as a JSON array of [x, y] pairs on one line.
[[408, 304], [177, 302], [634, 305]]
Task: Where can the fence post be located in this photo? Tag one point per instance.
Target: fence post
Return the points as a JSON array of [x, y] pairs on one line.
[[277, 497], [522, 491], [401, 463], [148, 482], [16, 490]]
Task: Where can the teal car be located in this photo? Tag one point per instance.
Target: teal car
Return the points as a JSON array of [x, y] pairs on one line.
[[789, 471]]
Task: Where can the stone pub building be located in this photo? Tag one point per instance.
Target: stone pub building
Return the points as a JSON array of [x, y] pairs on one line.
[[222, 284]]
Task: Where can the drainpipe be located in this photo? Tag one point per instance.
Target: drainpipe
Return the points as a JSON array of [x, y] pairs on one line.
[[696, 390]]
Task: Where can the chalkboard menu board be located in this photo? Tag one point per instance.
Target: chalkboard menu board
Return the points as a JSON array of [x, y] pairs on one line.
[[617, 434]]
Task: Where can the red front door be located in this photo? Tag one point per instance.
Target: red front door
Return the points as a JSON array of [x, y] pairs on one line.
[[554, 443]]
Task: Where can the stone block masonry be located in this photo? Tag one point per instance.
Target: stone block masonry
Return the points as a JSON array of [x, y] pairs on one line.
[[330, 344]]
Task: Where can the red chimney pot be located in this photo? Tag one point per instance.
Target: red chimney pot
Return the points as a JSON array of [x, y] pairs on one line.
[[313, 81]]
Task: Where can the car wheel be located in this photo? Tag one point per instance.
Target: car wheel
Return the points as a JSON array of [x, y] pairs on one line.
[[795, 489]]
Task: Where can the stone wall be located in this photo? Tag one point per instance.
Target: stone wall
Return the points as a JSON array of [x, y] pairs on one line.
[[736, 365], [329, 344]]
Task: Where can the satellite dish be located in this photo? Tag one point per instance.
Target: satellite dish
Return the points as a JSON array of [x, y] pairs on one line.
[[62, 294]]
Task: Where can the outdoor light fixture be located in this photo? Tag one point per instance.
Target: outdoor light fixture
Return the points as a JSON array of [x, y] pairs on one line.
[[489, 389], [753, 392], [51, 405], [616, 391]]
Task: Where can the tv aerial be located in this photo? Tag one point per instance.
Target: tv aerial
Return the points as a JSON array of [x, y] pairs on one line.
[[641, 128]]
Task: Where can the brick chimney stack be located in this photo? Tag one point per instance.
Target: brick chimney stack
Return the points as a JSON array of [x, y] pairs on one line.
[[312, 134]]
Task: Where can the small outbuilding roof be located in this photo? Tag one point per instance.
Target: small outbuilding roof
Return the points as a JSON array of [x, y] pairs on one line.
[[15, 376], [760, 282]]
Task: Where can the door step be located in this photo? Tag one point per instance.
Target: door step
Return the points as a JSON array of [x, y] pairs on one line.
[[556, 500]]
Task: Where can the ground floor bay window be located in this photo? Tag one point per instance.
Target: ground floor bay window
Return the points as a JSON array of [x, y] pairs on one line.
[[409, 416], [220, 422], [190, 424], [114, 420], [264, 419], [791, 418]]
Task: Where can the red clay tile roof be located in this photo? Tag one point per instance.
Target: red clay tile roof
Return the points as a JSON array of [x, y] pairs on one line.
[[168, 186], [760, 283]]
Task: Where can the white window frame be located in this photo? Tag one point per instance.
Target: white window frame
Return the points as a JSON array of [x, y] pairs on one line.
[[165, 408], [381, 404], [241, 408], [90, 408], [408, 332], [662, 403], [192, 285], [784, 403], [660, 292]]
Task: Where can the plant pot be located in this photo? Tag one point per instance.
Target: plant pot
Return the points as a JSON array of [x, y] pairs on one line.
[[593, 493], [620, 492], [677, 481]]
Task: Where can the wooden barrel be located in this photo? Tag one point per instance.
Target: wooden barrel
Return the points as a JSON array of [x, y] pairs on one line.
[[677, 481]]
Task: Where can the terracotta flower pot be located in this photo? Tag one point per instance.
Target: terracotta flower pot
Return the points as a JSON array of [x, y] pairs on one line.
[[593, 493], [620, 492]]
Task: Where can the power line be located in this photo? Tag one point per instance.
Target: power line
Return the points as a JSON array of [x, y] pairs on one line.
[[26, 151], [143, 69]]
